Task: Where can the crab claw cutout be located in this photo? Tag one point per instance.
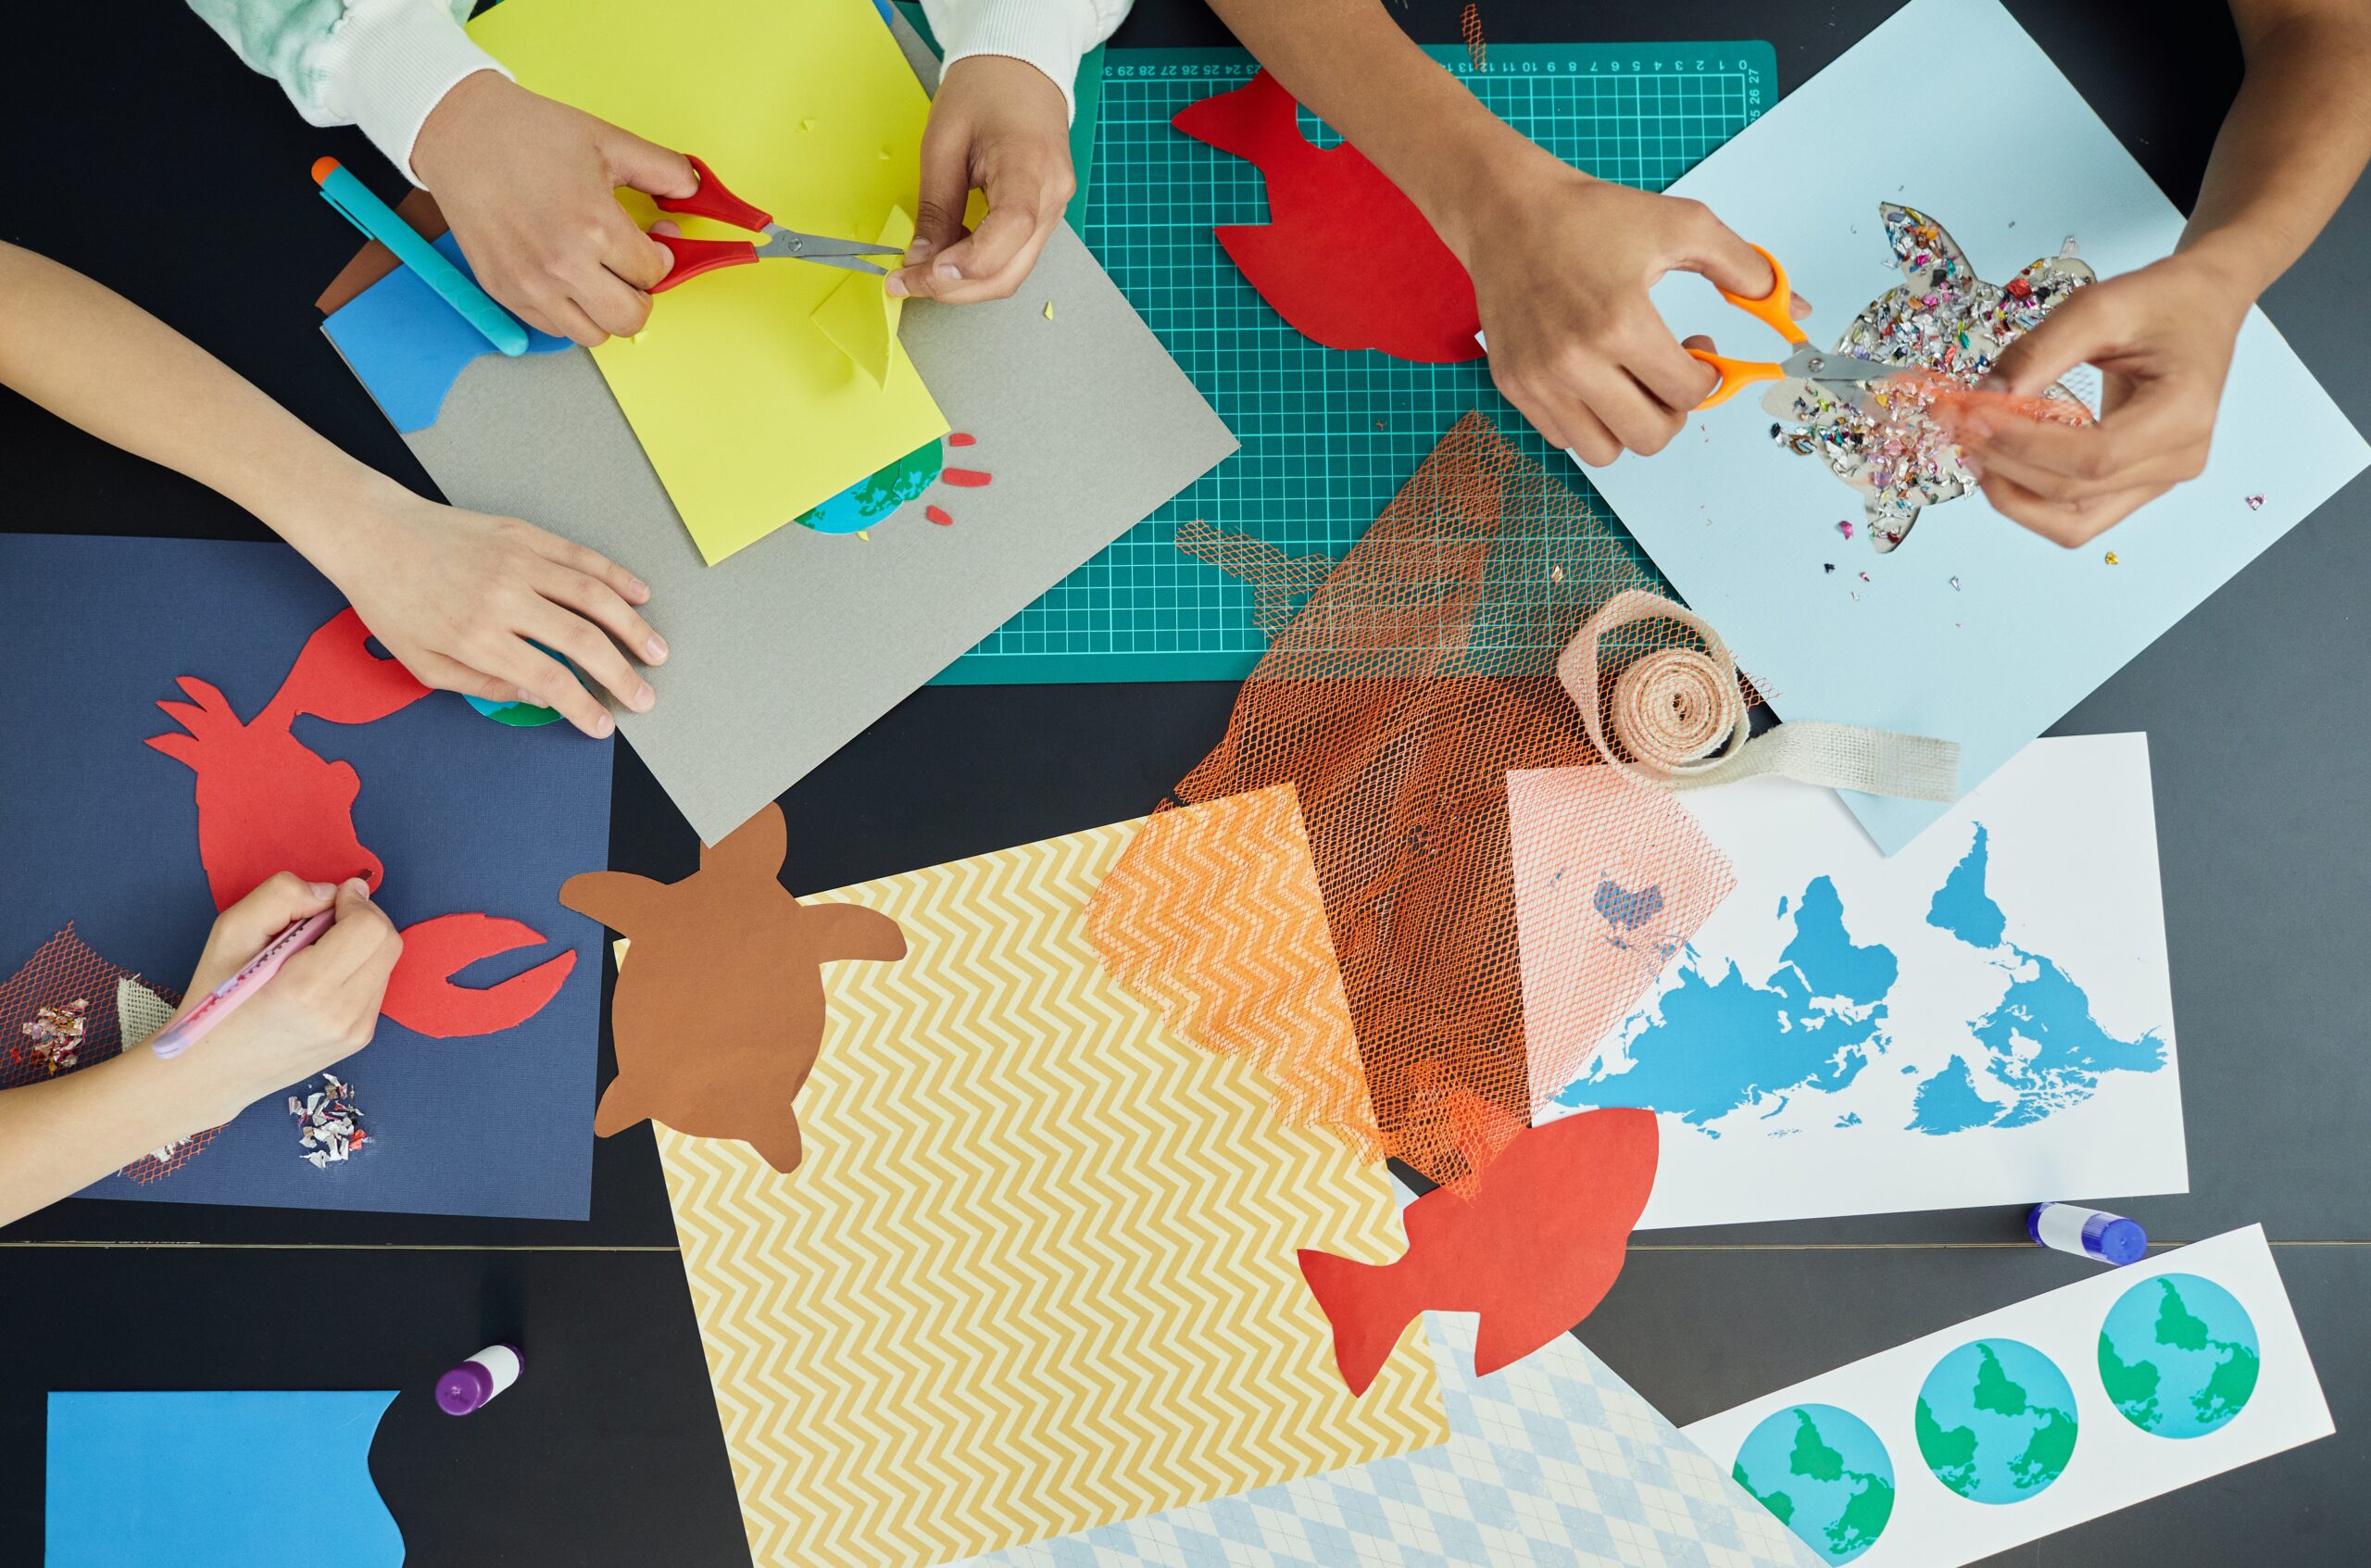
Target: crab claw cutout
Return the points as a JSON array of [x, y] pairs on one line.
[[422, 998], [720, 1016]]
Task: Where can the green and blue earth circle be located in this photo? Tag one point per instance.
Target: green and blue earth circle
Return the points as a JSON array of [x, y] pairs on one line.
[[1996, 1421], [2178, 1356], [1825, 1475], [878, 493]]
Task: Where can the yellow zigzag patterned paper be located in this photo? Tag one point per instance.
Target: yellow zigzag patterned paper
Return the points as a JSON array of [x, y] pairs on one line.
[[1036, 1270]]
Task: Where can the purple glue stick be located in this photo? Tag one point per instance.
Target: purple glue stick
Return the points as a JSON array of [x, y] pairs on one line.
[[2087, 1233], [479, 1379]]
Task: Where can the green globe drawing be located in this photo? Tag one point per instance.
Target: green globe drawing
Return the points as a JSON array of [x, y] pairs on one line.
[[1996, 1421], [1825, 1474], [2178, 1356]]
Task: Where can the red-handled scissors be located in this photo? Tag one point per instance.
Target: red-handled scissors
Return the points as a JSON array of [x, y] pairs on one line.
[[774, 241], [1844, 377]]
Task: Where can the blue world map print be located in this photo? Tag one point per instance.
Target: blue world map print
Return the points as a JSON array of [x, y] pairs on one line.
[[1718, 1044]]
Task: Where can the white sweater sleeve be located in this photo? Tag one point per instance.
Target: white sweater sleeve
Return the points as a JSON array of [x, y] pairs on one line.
[[379, 64], [1053, 35]]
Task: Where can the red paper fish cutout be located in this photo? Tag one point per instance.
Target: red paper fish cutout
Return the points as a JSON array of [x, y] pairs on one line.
[[1345, 257], [1534, 1251], [267, 803]]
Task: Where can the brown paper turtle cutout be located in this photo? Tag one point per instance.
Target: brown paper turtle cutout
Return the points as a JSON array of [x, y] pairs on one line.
[[718, 1017]]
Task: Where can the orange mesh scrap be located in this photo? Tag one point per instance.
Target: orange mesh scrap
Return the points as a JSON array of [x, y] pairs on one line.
[[1419, 673], [1213, 914], [1276, 578], [62, 971]]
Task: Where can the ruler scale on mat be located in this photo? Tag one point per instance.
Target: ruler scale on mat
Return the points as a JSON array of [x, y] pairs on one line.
[[1328, 437]]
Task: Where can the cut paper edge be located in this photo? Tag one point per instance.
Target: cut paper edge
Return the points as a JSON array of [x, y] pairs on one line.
[[860, 316], [215, 1479]]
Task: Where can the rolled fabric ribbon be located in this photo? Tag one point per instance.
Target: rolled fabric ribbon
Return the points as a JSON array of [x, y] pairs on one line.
[[1678, 714]]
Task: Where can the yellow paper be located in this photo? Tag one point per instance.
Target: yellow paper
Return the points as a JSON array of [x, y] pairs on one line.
[[748, 413], [1036, 1270], [859, 317]]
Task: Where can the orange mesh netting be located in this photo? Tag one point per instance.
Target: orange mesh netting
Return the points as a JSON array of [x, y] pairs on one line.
[[1418, 674], [58, 1015], [1276, 578], [1214, 915]]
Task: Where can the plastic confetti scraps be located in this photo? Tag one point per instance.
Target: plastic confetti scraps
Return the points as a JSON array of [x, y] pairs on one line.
[[55, 1036], [1944, 327], [329, 1125]]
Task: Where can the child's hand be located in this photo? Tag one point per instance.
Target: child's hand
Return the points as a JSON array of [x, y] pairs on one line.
[[527, 186], [320, 1008], [1560, 265], [457, 596], [1000, 125], [2162, 338]]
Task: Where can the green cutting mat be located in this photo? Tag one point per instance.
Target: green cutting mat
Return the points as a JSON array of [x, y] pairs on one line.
[[1328, 437]]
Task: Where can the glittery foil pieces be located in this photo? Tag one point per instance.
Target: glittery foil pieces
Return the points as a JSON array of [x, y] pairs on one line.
[[1944, 327]]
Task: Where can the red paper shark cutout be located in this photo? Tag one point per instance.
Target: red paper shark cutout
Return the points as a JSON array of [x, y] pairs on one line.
[[1410, 297]]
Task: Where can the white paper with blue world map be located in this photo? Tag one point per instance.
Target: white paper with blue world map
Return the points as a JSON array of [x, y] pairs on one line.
[[2010, 1426], [1984, 1017]]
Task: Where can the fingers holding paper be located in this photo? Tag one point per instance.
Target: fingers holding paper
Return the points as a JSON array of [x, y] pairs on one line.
[[1000, 126], [2162, 339]]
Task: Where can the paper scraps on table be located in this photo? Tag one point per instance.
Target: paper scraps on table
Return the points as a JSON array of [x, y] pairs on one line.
[[1277, 580], [1532, 1252], [216, 1480], [1325, 204], [776, 664], [1552, 1461], [407, 345], [1985, 1018], [717, 1027], [748, 413], [66, 1009], [860, 316], [1674, 705], [269, 803], [462, 814], [1214, 916], [329, 1123], [1977, 630], [1942, 324], [1972, 1441], [1419, 673], [1036, 1271]]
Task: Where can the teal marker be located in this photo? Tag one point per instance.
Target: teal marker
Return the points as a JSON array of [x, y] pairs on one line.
[[377, 219]]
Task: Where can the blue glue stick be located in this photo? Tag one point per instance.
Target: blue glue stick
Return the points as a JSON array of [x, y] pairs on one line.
[[2087, 1233]]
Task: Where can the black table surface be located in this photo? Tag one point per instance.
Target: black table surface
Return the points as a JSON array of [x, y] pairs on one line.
[[147, 157]]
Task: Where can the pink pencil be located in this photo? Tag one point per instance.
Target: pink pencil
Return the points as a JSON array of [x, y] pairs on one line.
[[225, 999]]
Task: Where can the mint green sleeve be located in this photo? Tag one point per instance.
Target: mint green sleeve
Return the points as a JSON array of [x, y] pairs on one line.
[[379, 64]]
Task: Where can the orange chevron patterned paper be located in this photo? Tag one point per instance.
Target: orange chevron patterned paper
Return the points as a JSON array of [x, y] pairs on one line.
[[1036, 1270], [1214, 915]]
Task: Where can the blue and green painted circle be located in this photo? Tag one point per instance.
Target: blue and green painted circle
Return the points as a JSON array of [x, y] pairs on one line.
[[2179, 1356], [1996, 1421], [878, 493], [1825, 1473]]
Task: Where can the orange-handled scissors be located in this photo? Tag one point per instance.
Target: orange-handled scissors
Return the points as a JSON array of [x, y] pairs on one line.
[[1844, 377]]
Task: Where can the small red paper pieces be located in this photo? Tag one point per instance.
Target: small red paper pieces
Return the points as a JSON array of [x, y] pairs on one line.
[[267, 803], [1345, 257], [1534, 1251], [719, 1019]]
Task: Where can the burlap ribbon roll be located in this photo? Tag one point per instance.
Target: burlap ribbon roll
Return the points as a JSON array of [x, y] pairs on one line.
[[1681, 720]]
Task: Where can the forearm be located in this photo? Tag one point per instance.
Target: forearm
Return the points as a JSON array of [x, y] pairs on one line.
[[97, 361], [59, 1136], [2294, 143], [1352, 65]]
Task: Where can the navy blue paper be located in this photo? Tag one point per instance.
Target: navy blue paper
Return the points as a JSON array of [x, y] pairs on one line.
[[100, 829]]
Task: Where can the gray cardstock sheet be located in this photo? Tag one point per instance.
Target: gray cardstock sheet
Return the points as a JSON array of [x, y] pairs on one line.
[[786, 651]]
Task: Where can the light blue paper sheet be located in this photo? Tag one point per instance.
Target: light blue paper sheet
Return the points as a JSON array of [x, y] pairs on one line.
[[216, 1480], [1973, 628]]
